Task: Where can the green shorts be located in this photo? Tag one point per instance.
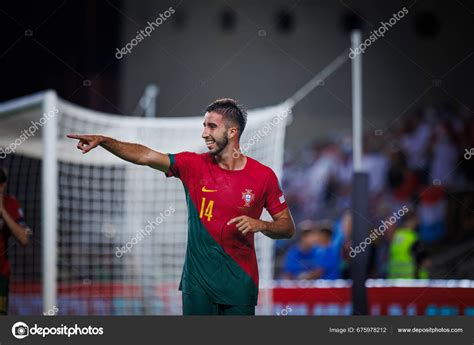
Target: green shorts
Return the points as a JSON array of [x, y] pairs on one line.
[[4, 283], [201, 304]]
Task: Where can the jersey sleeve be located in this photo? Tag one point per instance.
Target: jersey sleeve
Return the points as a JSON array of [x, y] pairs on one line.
[[274, 199], [15, 211], [182, 165]]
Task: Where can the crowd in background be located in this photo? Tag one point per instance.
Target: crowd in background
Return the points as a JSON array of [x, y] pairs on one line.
[[416, 164]]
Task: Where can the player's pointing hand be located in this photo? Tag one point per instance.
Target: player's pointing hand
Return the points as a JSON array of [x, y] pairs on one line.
[[246, 224], [86, 142]]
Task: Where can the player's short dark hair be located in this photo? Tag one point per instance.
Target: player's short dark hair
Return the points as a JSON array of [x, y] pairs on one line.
[[3, 175], [231, 110]]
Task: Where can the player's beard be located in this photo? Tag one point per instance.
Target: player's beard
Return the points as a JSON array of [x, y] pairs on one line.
[[220, 144]]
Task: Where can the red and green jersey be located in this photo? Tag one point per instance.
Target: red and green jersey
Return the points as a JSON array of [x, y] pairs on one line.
[[220, 260], [13, 208]]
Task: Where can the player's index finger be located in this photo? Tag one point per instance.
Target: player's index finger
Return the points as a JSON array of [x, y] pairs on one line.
[[233, 220], [74, 136]]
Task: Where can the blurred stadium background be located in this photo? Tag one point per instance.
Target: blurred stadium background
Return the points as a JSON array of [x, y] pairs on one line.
[[418, 145]]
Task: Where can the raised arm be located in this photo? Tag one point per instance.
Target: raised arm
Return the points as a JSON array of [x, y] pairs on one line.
[[134, 153]]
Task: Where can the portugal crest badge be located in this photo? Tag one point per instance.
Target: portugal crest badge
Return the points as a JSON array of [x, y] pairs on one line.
[[248, 197]]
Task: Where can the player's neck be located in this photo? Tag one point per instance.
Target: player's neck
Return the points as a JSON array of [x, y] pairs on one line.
[[229, 161]]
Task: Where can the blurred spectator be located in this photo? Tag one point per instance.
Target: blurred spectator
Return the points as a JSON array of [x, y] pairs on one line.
[[432, 213], [417, 162], [403, 182], [319, 175], [402, 260], [318, 253], [329, 244], [343, 175], [415, 139], [375, 163], [381, 245], [345, 225], [302, 260], [445, 155], [294, 179]]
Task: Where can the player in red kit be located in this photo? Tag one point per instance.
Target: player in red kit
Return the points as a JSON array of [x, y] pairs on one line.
[[225, 194], [13, 224]]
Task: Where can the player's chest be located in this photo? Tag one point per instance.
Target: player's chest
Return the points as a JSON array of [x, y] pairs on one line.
[[229, 192]]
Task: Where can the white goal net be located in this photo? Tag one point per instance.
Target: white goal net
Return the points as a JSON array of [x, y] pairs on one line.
[[109, 236]]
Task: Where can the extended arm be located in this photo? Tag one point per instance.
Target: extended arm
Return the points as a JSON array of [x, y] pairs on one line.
[[134, 153]]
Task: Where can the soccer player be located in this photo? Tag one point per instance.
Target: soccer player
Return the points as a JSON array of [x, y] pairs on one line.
[[225, 193], [11, 223]]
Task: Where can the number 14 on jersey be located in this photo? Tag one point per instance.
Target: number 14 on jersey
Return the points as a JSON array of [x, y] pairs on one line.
[[206, 210]]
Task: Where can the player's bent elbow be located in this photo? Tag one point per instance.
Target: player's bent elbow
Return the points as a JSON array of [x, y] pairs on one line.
[[291, 231]]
